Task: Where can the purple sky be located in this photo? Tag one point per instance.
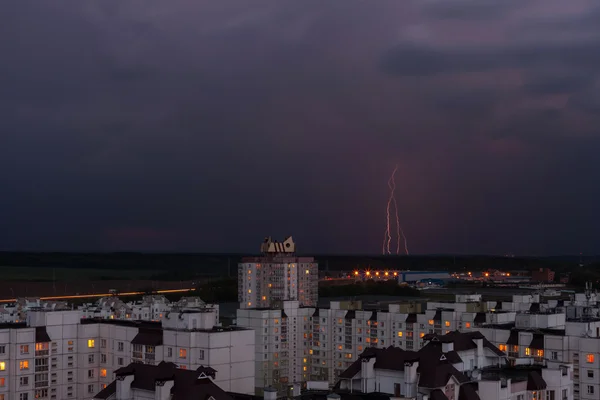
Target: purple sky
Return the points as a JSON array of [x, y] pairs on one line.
[[202, 125]]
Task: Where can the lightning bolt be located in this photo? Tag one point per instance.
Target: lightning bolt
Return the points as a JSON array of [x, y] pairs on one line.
[[387, 240]]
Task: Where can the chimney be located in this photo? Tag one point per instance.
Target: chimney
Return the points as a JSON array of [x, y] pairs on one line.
[[162, 390], [124, 386], [447, 347], [270, 393]]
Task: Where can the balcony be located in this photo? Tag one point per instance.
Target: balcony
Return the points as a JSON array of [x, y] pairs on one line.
[[42, 353]]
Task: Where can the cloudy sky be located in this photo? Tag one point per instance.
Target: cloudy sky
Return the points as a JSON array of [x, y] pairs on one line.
[[202, 125]]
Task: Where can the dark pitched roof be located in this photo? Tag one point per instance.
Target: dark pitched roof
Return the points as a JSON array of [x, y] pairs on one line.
[[208, 371], [538, 341], [435, 376], [411, 318], [462, 341], [535, 381], [535, 307], [149, 337], [480, 318], [188, 384], [107, 391], [513, 338], [41, 336], [468, 391], [437, 394]]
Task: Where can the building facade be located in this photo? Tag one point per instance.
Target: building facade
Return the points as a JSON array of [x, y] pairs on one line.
[[276, 276], [60, 355]]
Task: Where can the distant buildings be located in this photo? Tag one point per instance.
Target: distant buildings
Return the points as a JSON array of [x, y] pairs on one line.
[[276, 276], [542, 275]]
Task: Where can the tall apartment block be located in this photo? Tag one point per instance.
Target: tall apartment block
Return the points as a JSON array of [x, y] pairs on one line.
[[277, 275]]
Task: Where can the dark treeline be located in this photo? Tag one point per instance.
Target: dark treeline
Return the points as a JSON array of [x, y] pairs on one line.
[[226, 264]]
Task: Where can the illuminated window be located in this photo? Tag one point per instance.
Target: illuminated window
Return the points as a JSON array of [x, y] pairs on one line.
[[264, 297], [249, 290], [539, 353], [2, 366], [340, 347], [430, 322], [304, 368], [183, 367], [527, 351], [467, 325], [249, 271], [270, 285], [276, 355], [339, 321], [502, 347], [447, 323], [589, 358], [2, 382], [421, 334], [399, 334], [276, 321], [24, 364], [359, 348], [310, 351], [24, 349], [91, 343], [182, 353], [249, 303], [103, 373]]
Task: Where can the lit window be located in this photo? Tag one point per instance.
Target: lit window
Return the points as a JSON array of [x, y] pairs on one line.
[[589, 358], [91, 343], [183, 366], [276, 321], [2, 382], [447, 323], [359, 348], [307, 272], [421, 334], [304, 360], [540, 353], [103, 373], [2, 366], [249, 304], [340, 347], [430, 322], [182, 353], [467, 325], [264, 297], [24, 349], [310, 351], [399, 334], [502, 347], [527, 351], [24, 364], [249, 290], [249, 271], [304, 368]]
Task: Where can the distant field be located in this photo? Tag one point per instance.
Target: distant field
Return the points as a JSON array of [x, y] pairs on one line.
[[46, 274]]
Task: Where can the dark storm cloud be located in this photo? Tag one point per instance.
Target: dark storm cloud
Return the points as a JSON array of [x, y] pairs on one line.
[[467, 9], [204, 126]]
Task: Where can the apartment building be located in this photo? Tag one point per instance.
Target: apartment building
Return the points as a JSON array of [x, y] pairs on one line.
[[59, 355], [278, 275]]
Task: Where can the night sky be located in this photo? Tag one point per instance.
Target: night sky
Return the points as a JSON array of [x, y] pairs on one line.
[[203, 125]]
